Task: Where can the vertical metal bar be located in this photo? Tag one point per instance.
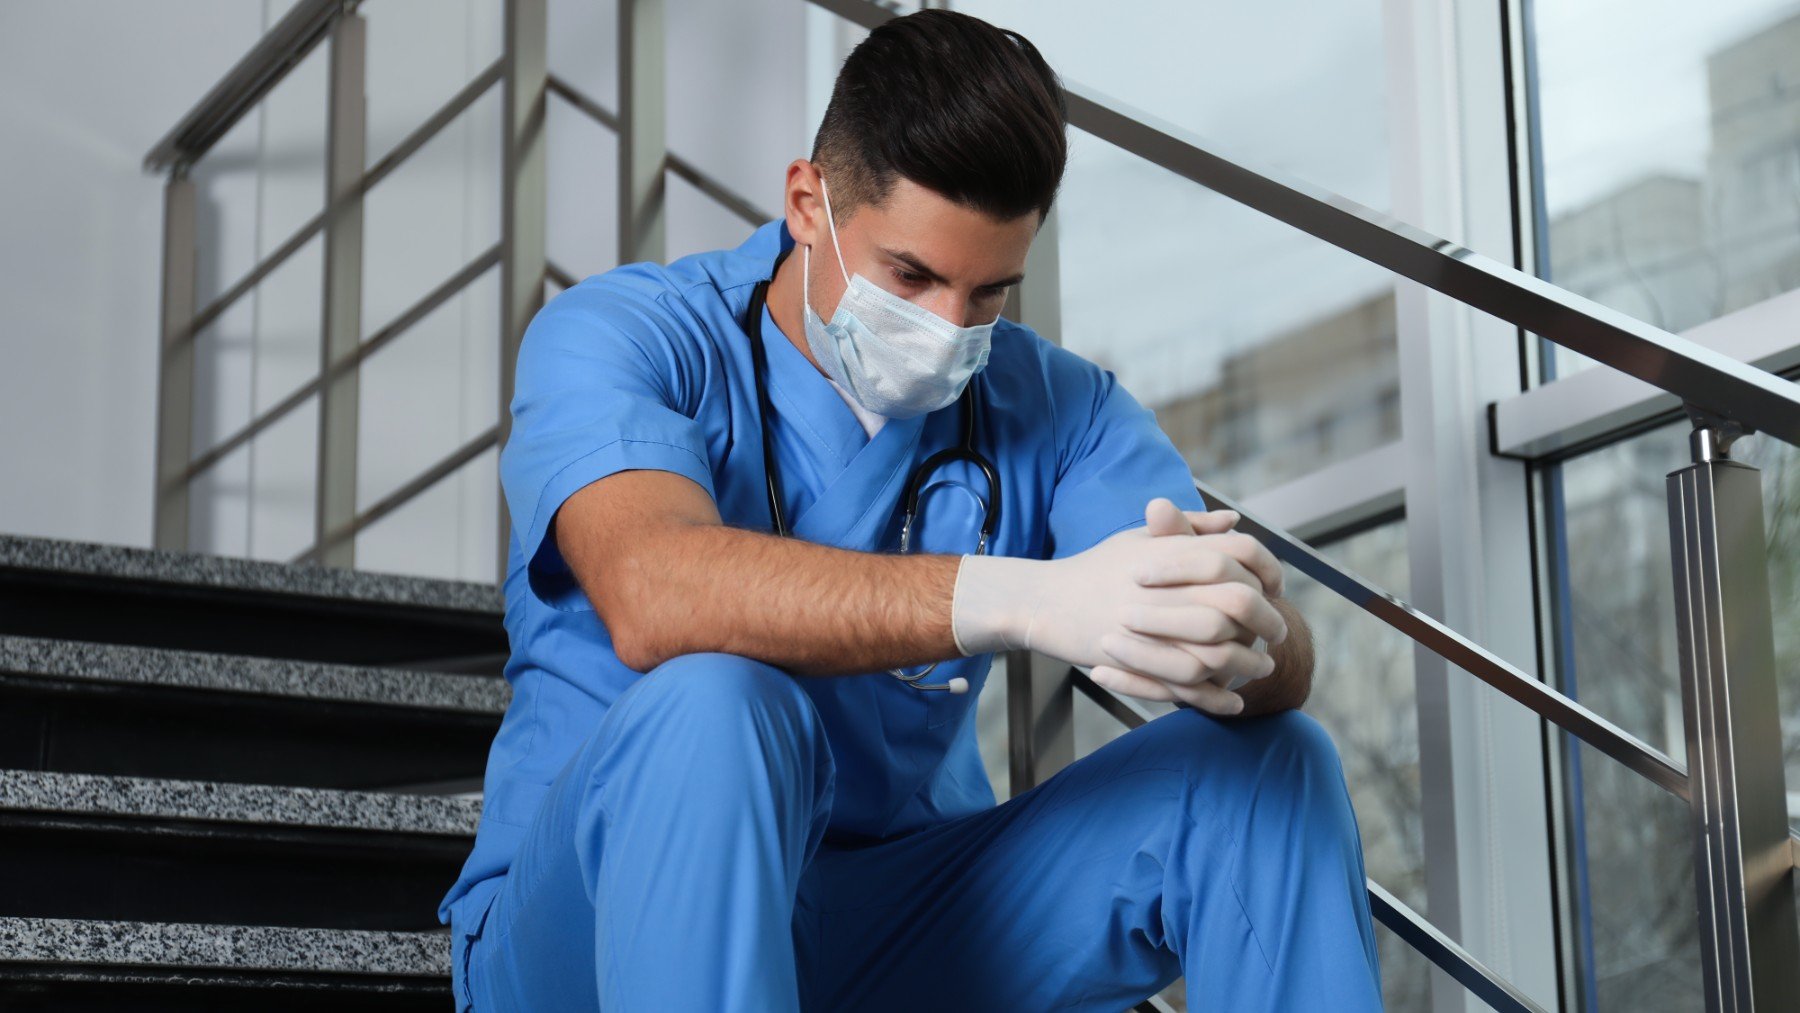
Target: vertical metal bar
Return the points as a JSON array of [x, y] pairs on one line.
[[523, 251], [642, 147], [1040, 697], [1040, 718], [344, 158], [1743, 872], [175, 364]]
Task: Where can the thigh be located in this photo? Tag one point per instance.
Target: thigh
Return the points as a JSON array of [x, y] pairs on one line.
[[1051, 900]]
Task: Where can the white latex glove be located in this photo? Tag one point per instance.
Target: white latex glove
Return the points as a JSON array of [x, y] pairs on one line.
[[1152, 603]]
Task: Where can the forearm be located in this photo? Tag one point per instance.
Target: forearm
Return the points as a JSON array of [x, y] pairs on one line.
[[809, 608], [1290, 684]]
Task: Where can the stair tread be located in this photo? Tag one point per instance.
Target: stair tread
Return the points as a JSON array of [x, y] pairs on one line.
[[117, 663], [197, 569], [217, 801], [239, 947]]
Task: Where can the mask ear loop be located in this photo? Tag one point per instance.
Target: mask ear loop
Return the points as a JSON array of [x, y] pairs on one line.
[[839, 250]]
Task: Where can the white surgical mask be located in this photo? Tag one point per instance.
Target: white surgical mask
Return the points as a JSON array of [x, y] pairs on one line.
[[895, 357]]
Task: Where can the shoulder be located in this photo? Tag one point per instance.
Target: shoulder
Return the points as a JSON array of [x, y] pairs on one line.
[[1029, 366], [690, 300]]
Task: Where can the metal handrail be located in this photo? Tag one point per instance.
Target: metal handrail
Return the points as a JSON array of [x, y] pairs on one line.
[[393, 329], [465, 97], [1413, 928], [1719, 384], [273, 57], [486, 439], [1462, 652]]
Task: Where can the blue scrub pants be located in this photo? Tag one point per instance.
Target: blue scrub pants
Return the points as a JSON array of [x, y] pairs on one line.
[[678, 864]]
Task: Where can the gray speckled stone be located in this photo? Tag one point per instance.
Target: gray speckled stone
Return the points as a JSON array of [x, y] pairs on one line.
[[74, 659], [201, 570], [254, 947], [56, 791]]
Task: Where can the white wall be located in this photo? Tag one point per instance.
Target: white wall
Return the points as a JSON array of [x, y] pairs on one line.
[[86, 88]]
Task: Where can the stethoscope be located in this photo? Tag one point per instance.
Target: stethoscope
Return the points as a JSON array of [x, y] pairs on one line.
[[914, 484]]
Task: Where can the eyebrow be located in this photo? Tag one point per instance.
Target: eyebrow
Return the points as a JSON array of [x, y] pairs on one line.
[[918, 267]]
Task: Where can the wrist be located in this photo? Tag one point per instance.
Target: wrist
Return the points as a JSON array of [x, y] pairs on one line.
[[990, 608]]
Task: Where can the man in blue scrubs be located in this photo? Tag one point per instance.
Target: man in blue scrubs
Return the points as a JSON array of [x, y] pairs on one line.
[[709, 793]]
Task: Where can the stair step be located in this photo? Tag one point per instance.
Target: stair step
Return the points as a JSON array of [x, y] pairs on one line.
[[68, 964], [198, 851], [158, 712], [51, 588]]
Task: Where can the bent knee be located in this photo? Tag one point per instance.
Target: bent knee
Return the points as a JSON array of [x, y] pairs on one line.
[[709, 686]]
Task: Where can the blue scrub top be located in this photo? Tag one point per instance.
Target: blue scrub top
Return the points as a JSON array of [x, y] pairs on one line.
[[647, 366]]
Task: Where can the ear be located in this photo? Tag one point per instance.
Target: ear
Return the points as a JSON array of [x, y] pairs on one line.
[[803, 203]]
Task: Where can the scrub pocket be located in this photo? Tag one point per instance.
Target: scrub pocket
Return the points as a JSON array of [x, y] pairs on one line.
[[462, 945]]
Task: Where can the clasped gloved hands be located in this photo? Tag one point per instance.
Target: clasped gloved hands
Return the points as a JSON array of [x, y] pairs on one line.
[[1167, 611]]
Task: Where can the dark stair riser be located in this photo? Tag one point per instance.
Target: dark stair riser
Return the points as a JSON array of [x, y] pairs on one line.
[[74, 606], [166, 870], [41, 988], [149, 730]]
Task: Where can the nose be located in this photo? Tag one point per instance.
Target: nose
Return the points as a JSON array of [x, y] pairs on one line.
[[951, 305]]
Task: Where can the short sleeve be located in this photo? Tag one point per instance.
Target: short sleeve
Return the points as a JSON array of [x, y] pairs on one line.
[[1112, 458], [604, 372]]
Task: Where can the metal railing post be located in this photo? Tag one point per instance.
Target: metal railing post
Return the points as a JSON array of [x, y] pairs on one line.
[[523, 250], [342, 316], [1743, 871], [643, 149], [175, 364], [1040, 718], [1040, 695]]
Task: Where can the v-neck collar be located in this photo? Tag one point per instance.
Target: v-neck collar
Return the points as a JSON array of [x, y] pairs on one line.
[[805, 398]]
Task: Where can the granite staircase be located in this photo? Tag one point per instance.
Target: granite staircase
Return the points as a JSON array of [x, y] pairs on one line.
[[228, 784]]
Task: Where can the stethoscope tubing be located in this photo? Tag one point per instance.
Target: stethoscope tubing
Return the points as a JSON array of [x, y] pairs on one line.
[[910, 498]]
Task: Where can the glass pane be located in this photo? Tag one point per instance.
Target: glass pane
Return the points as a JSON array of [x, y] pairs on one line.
[[1364, 695], [1607, 522], [1265, 353], [1670, 149]]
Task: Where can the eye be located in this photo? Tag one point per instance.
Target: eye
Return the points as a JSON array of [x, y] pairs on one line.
[[909, 277], [994, 293]]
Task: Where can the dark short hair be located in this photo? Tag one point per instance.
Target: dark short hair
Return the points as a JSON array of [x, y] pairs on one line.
[[951, 103]]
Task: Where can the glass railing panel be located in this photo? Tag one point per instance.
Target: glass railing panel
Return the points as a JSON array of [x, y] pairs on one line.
[[434, 214], [263, 181], [428, 392], [1611, 599], [259, 501], [260, 350], [582, 178], [420, 54], [446, 531], [1364, 695]]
